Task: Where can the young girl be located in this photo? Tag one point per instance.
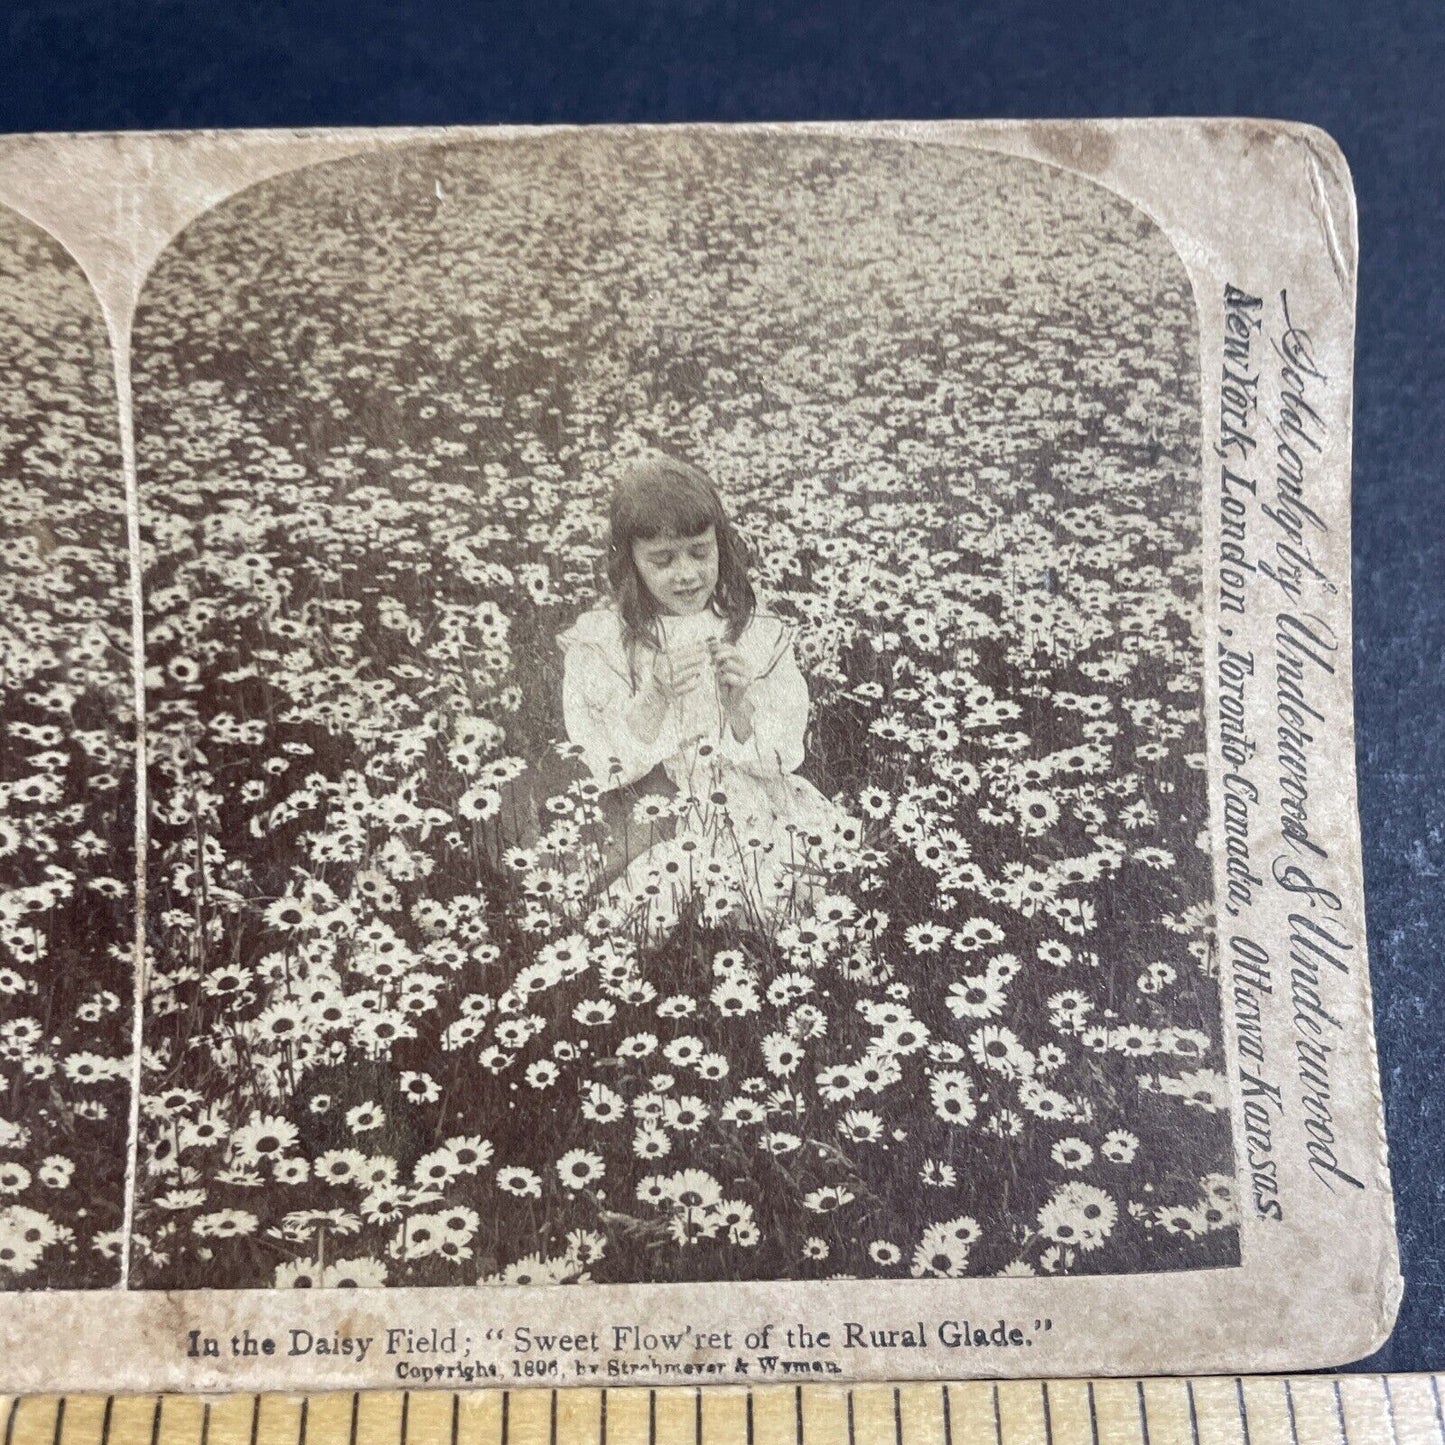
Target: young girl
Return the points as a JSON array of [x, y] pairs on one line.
[[690, 711]]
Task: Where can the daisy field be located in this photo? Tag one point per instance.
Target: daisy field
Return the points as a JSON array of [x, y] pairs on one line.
[[391, 1034]]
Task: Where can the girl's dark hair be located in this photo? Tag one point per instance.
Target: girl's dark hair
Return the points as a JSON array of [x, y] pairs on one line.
[[657, 496]]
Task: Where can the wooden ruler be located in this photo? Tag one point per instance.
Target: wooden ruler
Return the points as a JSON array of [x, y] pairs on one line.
[[1256, 1410]]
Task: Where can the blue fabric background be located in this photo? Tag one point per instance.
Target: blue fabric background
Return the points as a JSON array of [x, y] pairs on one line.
[[1371, 74]]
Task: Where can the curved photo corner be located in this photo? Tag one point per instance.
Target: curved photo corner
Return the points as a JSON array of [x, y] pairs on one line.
[[402, 1027], [67, 779]]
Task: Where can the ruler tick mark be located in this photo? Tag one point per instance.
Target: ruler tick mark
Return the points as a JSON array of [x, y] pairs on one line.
[[1048, 1414], [1289, 1407], [897, 1417], [1193, 1413], [998, 1418], [255, 1420], [601, 1421], [456, 1418], [947, 1418], [104, 1421], [1390, 1409], [798, 1415], [59, 1419], [155, 1422], [652, 1417], [405, 1413], [206, 1423], [1340, 1414], [851, 1439], [1094, 1416], [1243, 1413], [551, 1421], [301, 1427], [697, 1417], [1434, 1390], [506, 1412], [1143, 1412], [750, 1416]]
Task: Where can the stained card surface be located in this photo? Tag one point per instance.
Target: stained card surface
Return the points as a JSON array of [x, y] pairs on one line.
[[635, 754]]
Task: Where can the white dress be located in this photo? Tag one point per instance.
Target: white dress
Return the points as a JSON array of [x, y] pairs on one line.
[[750, 834]]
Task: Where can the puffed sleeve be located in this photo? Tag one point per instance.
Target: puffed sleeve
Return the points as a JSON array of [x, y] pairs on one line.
[[596, 693], [780, 704]]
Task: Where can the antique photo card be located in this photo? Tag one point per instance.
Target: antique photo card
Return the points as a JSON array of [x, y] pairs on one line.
[[741, 759]]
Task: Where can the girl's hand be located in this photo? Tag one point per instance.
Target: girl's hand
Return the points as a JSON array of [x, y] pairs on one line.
[[735, 680], [676, 674], [673, 676]]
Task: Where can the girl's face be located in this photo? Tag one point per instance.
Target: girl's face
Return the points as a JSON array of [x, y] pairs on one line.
[[679, 572]]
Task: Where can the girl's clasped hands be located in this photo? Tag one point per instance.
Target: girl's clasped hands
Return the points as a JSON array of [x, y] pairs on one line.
[[676, 674]]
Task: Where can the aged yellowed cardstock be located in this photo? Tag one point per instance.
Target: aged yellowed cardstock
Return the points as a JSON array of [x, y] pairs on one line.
[[679, 755]]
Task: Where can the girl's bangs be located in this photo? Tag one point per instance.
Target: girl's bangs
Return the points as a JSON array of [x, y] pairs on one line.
[[666, 503]]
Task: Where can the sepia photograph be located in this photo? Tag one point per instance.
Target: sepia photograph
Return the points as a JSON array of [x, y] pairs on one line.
[[675, 725], [67, 779]]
